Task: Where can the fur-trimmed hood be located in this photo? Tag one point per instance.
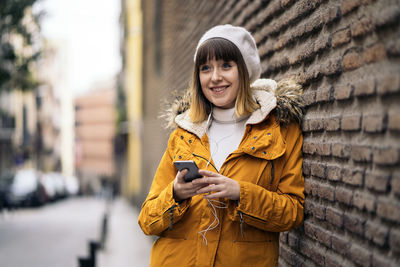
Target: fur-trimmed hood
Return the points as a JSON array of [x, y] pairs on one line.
[[283, 98]]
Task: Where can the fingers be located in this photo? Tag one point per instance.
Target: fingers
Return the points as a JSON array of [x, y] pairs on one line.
[[180, 176], [208, 189], [209, 173]]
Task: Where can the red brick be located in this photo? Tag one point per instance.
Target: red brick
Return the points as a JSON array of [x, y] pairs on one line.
[[266, 48], [332, 124], [380, 260], [351, 122], [313, 24], [341, 150], [341, 37], [309, 207], [324, 94], [319, 210], [322, 43], [334, 216], [373, 123], [375, 53], [388, 209], [393, 47], [333, 261], [282, 41], [364, 201], [331, 14], [332, 67], [352, 60], [365, 87], [340, 244], [376, 232], [318, 169], [361, 153], [395, 183], [307, 187], [308, 148], [386, 156], [314, 188], [344, 195], [377, 181], [334, 172], [323, 149], [349, 5], [394, 240], [342, 92], [288, 255], [306, 167], [316, 124], [283, 237], [388, 84], [394, 120], [360, 255], [293, 241], [361, 27], [305, 126], [387, 16], [304, 7], [313, 73], [326, 191], [354, 224], [353, 176], [285, 3], [309, 98]]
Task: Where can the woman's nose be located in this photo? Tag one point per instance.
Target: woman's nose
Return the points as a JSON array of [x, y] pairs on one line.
[[216, 76]]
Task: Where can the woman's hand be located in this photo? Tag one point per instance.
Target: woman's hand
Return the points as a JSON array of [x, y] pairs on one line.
[[183, 190], [219, 185]]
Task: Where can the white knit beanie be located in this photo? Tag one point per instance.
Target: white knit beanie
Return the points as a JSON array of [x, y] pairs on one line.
[[243, 40]]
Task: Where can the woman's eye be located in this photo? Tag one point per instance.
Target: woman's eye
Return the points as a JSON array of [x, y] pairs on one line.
[[204, 68], [226, 65]]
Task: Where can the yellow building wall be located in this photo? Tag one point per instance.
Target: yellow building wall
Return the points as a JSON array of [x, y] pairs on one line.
[[133, 85]]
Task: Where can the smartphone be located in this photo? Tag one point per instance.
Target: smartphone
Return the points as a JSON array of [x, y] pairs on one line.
[[190, 165]]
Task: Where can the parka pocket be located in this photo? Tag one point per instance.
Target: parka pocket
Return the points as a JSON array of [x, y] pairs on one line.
[[267, 178]]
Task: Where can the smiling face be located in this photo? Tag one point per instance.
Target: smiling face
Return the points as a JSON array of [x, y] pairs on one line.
[[219, 81], [220, 78]]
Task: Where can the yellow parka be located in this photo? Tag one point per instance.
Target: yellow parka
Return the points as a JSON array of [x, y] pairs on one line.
[[268, 168]]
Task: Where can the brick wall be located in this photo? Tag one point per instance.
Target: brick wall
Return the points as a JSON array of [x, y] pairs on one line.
[[346, 54]]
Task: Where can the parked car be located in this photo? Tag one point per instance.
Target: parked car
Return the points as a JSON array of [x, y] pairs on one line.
[[72, 185], [26, 189], [59, 183], [49, 185]]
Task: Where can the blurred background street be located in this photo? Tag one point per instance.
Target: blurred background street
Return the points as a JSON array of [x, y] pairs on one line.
[[58, 234]]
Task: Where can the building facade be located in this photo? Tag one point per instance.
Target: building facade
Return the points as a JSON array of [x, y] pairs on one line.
[[94, 137]]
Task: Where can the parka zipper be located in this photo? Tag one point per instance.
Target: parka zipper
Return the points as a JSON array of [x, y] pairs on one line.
[[272, 172], [171, 216]]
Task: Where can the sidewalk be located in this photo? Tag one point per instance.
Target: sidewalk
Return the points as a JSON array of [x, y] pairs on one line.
[[126, 245]]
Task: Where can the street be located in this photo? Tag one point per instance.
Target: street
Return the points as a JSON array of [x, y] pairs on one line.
[[54, 235]]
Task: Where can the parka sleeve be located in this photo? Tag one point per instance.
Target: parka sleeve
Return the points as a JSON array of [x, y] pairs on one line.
[[281, 210], [160, 207]]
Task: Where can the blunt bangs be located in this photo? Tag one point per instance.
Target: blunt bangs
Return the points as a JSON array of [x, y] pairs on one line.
[[217, 48]]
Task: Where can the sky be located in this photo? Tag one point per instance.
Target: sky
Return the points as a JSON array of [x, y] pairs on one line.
[[90, 31]]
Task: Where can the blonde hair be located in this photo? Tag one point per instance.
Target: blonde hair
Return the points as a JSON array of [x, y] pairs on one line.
[[219, 48]]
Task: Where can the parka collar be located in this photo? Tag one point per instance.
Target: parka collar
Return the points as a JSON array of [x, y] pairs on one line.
[[262, 93], [284, 97]]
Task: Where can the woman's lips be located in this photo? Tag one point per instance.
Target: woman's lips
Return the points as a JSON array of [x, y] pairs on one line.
[[219, 89]]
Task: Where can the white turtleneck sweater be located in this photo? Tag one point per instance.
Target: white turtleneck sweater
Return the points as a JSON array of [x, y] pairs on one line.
[[225, 133]]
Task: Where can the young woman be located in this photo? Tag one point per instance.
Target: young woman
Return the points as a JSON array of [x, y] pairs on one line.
[[244, 135]]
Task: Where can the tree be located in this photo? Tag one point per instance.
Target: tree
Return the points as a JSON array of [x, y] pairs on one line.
[[19, 44]]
